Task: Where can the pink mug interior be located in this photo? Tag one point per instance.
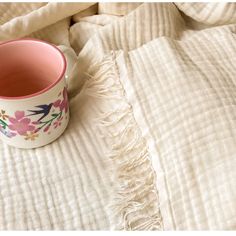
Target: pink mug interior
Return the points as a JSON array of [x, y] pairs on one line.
[[29, 67]]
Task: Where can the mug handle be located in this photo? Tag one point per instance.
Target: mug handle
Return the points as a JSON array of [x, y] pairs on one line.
[[71, 59]]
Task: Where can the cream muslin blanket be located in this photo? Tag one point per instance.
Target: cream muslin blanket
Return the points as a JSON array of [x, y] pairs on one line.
[[151, 143]]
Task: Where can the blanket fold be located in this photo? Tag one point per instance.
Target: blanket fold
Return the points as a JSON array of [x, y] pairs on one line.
[[151, 141]]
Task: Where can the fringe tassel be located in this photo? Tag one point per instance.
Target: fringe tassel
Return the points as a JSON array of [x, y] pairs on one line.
[[136, 204]]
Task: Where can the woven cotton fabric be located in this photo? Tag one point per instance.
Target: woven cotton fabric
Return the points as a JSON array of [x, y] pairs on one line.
[[180, 87], [151, 141], [185, 107], [65, 185], [62, 186]]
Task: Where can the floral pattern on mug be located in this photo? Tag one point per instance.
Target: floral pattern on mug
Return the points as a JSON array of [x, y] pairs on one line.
[[3, 115], [20, 124], [41, 119], [62, 104], [31, 136], [57, 123]]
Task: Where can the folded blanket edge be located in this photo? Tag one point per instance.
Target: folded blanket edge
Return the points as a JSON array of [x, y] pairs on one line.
[[135, 205]]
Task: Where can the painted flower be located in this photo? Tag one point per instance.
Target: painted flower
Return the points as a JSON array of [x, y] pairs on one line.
[[47, 128], [7, 133], [46, 116], [20, 123], [57, 123], [31, 136], [62, 104], [3, 115]]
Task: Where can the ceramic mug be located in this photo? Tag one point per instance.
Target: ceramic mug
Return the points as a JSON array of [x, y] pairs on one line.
[[34, 109]]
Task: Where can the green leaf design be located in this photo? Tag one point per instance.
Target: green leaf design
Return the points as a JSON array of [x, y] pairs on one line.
[[3, 124]]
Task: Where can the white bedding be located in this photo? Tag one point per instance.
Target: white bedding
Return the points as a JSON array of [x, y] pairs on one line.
[[186, 110], [104, 172], [64, 185]]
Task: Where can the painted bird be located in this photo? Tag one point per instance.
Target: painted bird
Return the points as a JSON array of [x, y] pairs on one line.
[[45, 109]]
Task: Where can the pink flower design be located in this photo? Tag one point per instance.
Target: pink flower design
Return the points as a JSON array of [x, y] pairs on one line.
[[57, 122], [64, 104], [47, 128], [20, 123]]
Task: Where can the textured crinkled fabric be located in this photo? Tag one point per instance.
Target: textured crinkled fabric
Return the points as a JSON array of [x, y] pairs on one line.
[[161, 111]]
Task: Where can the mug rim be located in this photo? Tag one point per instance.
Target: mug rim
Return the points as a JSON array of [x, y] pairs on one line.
[[61, 76]]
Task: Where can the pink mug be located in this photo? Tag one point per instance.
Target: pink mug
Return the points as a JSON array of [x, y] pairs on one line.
[[34, 108]]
